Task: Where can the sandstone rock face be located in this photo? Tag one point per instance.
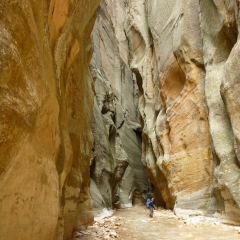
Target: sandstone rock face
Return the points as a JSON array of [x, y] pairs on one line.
[[118, 176], [45, 112], [166, 55], [166, 82], [183, 55], [221, 54]]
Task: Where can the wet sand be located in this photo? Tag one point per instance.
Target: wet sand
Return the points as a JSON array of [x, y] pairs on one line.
[[134, 224]]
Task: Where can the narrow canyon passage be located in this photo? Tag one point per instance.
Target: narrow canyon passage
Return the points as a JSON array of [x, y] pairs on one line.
[[135, 224], [106, 103]]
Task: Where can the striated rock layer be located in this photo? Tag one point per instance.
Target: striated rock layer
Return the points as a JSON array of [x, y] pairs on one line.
[[166, 56], [184, 55], [45, 112], [118, 176]]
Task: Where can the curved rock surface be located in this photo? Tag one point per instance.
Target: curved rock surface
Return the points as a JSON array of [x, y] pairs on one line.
[[220, 52], [166, 81], [118, 176], [184, 55], [167, 59], [45, 113]]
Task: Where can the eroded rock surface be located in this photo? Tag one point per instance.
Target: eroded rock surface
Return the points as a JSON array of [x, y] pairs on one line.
[[166, 56], [221, 53], [45, 113], [184, 58], [118, 176], [166, 77]]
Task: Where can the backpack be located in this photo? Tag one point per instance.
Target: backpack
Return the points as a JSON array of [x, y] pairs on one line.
[[147, 203]]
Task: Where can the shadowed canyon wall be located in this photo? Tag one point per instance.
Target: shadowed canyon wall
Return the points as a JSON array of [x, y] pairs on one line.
[[117, 175], [46, 101]]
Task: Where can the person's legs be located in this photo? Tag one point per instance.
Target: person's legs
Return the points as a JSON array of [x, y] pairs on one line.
[[151, 212]]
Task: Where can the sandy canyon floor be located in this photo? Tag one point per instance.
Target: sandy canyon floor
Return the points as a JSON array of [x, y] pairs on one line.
[[134, 223]]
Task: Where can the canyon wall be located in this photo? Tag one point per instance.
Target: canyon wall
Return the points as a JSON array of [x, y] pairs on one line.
[[166, 56], [166, 84], [118, 178], [221, 50], [46, 102], [184, 55]]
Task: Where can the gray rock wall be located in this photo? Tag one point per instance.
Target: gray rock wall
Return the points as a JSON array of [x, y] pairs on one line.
[[220, 51], [118, 176]]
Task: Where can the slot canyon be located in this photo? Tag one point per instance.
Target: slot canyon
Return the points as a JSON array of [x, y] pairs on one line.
[[104, 104]]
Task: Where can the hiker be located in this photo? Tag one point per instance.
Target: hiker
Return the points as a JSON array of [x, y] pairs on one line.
[[151, 207], [147, 203]]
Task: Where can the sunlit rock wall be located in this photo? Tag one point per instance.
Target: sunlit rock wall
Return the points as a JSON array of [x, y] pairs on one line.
[[46, 101], [118, 176], [185, 57]]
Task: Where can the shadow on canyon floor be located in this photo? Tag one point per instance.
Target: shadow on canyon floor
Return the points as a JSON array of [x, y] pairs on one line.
[[135, 224]]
